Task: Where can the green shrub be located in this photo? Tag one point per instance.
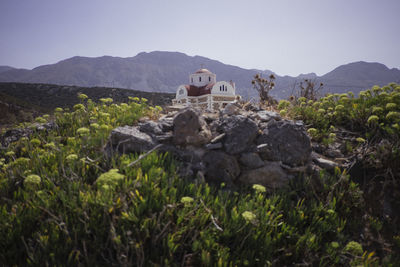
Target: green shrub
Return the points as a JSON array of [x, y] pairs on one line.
[[62, 202]]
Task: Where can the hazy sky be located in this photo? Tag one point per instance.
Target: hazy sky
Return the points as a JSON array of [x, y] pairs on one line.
[[286, 36]]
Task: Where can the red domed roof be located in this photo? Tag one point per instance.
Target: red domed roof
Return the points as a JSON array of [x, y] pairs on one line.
[[203, 71]]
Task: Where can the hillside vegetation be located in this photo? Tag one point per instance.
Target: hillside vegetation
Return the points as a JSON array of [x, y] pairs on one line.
[[64, 202], [22, 102]]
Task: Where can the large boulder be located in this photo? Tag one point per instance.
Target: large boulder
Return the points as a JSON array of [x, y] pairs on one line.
[[220, 167], [251, 160], [190, 128], [129, 139], [285, 141], [271, 175], [240, 133]]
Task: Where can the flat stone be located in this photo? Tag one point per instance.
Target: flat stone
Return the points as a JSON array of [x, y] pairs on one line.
[[266, 115], [325, 163], [164, 138], [129, 139], [213, 146]]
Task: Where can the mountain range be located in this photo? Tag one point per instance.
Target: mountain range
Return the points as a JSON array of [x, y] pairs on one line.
[[163, 71]]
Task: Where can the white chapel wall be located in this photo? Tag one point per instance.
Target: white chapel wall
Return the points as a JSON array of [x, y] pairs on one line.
[[223, 88]]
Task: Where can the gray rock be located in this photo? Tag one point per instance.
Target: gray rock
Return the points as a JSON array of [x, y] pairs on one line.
[[220, 167], [213, 146], [190, 128], [271, 176], [129, 139], [210, 117], [14, 135], [266, 115], [285, 141], [44, 126], [333, 153], [230, 109], [325, 163], [166, 123], [164, 138], [192, 155], [150, 127], [251, 160], [240, 133]]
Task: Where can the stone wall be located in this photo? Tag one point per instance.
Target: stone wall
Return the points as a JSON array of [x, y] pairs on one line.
[[235, 147]]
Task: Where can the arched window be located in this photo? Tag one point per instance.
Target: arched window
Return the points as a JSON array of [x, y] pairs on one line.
[[209, 78], [199, 79], [192, 79]]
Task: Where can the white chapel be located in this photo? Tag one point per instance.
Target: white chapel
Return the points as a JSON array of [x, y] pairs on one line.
[[205, 92]]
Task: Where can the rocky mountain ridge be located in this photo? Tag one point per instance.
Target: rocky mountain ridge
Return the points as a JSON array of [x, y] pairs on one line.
[[163, 71]]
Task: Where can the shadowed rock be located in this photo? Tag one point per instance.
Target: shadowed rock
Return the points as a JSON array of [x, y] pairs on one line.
[[251, 160], [129, 139], [220, 167], [240, 133], [285, 141], [190, 128], [271, 175]]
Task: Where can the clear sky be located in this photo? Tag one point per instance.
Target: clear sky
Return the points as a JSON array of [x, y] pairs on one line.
[[288, 37]]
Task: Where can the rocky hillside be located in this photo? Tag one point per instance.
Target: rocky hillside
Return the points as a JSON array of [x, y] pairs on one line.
[[245, 186], [23, 101], [164, 71]]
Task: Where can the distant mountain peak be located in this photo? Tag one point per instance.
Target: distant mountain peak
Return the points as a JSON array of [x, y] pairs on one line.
[[310, 75], [161, 71]]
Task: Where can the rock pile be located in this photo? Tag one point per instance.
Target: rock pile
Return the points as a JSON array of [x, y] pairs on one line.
[[234, 147], [15, 134]]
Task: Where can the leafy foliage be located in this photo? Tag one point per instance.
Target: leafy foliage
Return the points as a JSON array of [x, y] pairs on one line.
[[374, 113], [372, 120], [63, 202]]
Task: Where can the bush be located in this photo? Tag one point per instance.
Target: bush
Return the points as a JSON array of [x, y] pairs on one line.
[[92, 210]]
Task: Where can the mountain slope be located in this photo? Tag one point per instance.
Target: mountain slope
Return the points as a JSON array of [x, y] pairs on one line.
[[5, 68], [359, 75], [164, 71]]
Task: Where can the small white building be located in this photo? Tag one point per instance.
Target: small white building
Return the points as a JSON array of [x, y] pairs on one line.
[[205, 92]]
